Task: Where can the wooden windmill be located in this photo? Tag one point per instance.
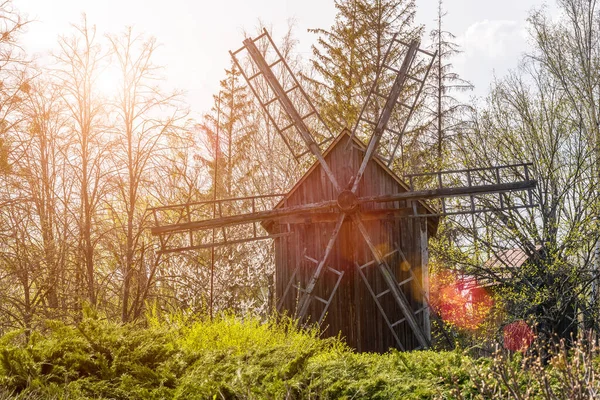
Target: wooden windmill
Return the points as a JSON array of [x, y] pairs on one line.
[[350, 236]]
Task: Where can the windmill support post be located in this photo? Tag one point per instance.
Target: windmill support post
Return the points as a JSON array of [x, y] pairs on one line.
[[215, 180], [425, 274]]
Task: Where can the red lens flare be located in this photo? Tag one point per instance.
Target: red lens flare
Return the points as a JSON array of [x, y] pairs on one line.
[[518, 336], [460, 301]]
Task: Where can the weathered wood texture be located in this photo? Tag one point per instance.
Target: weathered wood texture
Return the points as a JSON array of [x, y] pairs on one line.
[[353, 312]]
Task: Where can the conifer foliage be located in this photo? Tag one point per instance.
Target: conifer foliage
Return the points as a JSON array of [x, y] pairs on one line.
[[446, 110], [347, 56], [229, 119]]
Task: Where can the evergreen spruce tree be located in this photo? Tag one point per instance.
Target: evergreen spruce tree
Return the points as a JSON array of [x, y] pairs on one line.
[[447, 117], [228, 118], [347, 56], [447, 112]]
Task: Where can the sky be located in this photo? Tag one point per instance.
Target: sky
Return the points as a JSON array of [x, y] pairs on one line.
[[196, 35]]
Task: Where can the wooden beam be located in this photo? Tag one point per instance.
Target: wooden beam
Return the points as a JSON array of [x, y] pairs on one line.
[[289, 108], [242, 218], [451, 192], [387, 112], [425, 276], [460, 171], [316, 218], [327, 205], [210, 202], [305, 301], [392, 285], [413, 106], [223, 243]]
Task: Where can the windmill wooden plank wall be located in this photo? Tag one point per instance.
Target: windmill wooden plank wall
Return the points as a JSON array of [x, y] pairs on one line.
[[352, 312]]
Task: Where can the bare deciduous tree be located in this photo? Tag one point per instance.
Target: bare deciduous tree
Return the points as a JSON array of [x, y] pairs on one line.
[[144, 119], [80, 62]]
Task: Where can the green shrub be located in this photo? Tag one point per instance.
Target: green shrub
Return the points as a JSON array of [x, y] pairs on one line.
[[247, 359], [94, 358], [228, 358], [416, 375]]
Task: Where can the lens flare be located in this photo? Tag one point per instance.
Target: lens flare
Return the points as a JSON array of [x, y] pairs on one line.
[[462, 302], [518, 336]]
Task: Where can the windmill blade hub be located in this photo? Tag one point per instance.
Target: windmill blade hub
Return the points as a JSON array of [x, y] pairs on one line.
[[347, 201]]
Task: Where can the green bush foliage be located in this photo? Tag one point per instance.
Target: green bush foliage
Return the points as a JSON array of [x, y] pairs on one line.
[[234, 358], [94, 359], [228, 358]]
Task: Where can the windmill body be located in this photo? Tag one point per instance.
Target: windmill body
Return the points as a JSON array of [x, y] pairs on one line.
[[353, 312], [350, 236]]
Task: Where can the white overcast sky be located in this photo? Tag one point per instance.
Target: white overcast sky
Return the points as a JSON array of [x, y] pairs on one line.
[[197, 34]]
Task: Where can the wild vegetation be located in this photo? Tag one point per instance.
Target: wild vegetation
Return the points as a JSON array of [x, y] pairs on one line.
[[231, 358], [226, 359]]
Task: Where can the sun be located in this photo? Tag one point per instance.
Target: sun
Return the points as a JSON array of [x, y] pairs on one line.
[[109, 81]]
